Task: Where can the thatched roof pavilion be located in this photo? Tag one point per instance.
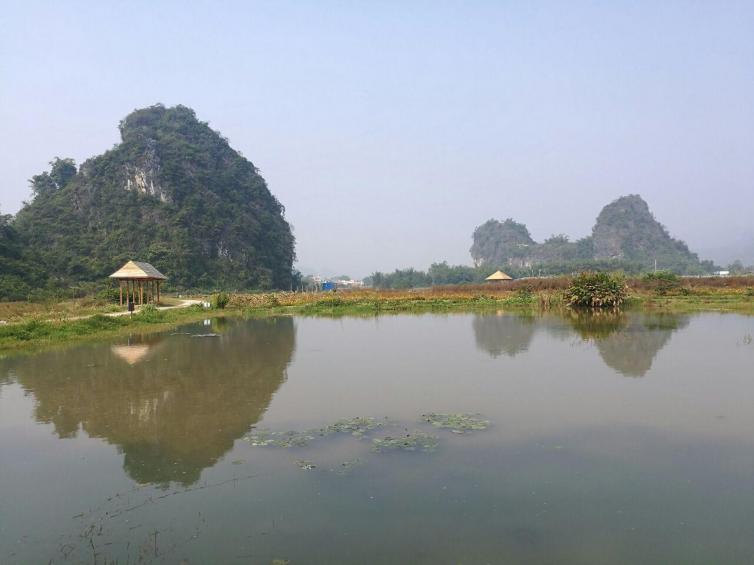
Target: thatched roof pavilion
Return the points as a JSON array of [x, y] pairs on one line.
[[137, 274], [498, 276]]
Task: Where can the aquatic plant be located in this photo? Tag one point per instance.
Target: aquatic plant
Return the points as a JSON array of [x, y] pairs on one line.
[[457, 423], [357, 426], [220, 300], [411, 441], [597, 290], [266, 438], [305, 464]]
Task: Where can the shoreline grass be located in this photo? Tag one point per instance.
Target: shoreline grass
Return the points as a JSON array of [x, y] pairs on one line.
[[32, 333]]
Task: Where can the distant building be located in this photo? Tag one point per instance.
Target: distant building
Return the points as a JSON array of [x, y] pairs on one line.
[[722, 273], [498, 277]]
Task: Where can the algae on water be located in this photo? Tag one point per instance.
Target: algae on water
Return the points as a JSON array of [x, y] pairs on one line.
[[457, 423], [279, 439], [410, 441], [357, 426]]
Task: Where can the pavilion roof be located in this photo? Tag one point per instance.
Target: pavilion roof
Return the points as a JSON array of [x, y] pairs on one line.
[[499, 276], [138, 270]]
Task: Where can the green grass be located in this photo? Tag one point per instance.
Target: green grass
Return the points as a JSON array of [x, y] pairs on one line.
[[36, 333]]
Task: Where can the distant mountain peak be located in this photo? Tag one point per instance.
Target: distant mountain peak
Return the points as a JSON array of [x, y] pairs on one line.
[[625, 231], [173, 193]]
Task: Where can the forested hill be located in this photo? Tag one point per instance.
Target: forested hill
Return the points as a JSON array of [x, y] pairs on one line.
[[625, 236], [173, 193]]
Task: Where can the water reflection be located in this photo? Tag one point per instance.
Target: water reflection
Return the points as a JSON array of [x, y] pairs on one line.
[[627, 342], [631, 350], [503, 333], [173, 405]]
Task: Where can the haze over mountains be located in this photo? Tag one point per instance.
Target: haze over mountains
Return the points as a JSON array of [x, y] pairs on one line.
[[625, 232], [172, 192]]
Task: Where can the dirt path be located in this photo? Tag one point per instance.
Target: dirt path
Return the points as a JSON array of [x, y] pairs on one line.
[[184, 304]]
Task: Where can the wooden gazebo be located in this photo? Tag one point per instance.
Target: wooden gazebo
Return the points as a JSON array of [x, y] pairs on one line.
[[139, 277]]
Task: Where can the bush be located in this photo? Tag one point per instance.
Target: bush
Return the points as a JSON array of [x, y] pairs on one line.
[[662, 282], [597, 290], [150, 313], [220, 300], [109, 294]]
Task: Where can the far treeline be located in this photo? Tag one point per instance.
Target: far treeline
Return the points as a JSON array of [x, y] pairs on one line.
[[626, 237]]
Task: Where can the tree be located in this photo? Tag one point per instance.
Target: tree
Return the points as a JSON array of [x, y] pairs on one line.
[[42, 184], [62, 171]]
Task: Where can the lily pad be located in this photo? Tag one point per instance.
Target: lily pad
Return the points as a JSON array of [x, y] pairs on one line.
[[266, 438], [357, 426], [410, 441], [457, 423]]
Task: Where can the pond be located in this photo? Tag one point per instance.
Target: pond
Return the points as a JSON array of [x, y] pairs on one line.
[[461, 439]]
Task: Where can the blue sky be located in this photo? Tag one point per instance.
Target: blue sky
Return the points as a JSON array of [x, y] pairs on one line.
[[389, 130]]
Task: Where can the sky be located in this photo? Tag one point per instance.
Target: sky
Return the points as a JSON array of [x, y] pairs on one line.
[[390, 130]]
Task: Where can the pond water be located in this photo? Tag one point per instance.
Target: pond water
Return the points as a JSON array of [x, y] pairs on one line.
[[611, 439]]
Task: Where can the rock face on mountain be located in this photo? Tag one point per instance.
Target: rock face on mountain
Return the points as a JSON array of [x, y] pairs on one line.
[[173, 193], [626, 229], [625, 235]]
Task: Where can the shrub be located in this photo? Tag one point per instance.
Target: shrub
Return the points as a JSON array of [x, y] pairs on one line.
[[597, 290], [220, 300], [150, 313], [662, 282]]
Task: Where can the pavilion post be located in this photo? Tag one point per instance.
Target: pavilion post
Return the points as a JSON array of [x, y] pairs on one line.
[[158, 292], [120, 286]]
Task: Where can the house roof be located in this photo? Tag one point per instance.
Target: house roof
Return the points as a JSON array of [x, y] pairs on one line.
[[499, 276], [137, 270]]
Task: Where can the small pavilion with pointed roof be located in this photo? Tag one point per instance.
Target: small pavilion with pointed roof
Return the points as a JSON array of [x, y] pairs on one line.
[[498, 276], [141, 277]]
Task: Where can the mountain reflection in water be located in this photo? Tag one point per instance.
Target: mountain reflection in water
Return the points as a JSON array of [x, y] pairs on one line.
[[173, 406], [627, 342]]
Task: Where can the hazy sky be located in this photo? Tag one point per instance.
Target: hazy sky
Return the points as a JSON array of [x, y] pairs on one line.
[[389, 130]]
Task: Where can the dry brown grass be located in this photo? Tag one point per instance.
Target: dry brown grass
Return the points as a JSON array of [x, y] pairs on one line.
[[17, 311]]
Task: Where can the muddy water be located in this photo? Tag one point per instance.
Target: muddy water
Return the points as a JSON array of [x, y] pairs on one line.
[[611, 439]]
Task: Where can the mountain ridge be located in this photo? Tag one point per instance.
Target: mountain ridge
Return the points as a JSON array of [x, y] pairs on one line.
[[625, 231], [173, 192]]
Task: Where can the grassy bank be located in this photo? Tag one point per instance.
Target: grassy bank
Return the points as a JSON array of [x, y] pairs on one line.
[[35, 333], [34, 328], [540, 294]]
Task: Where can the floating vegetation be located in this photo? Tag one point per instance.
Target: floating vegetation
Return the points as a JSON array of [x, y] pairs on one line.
[[205, 335], [412, 441], [305, 464], [360, 426], [357, 426], [265, 438], [457, 423]]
